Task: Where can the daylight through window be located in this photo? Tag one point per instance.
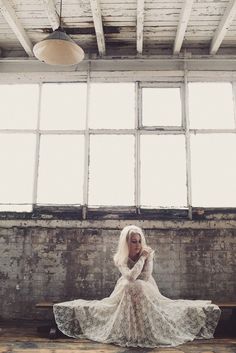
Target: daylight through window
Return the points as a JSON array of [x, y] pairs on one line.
[[159, 145]]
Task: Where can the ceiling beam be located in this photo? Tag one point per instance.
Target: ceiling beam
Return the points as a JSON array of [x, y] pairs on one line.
[[97, 19], [183, 22], [52, 14], [16, 26], [140, 24], [223, 26]]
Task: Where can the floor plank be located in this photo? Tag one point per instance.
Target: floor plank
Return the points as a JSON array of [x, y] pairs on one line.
[[25, 339]]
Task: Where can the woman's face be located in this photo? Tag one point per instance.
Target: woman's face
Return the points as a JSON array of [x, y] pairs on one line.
[[135, 244]]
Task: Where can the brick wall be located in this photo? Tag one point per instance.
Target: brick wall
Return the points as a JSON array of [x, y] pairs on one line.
[[63, 260]]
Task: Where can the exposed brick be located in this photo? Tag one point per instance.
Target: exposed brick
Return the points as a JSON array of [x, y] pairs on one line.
[[48, 263]]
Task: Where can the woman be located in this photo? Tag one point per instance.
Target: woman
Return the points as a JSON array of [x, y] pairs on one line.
[[136, 314]]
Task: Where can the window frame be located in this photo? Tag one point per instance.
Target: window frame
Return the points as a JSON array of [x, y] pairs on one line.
[[169, 81]]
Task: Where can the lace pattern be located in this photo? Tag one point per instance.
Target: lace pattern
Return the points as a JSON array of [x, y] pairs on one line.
[[136, 314]]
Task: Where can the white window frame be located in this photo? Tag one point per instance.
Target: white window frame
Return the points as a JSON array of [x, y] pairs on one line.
[[180, 81]]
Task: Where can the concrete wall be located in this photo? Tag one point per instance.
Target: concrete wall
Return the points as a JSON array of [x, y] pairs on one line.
[[66, 259]]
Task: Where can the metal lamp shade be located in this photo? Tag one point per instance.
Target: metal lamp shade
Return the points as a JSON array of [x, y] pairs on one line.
[[58, 49]]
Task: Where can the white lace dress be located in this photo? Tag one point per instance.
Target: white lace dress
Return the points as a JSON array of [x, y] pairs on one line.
[[136, 314]]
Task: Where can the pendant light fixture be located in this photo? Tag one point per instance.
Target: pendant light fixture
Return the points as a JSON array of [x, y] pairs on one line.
[[58, 48]]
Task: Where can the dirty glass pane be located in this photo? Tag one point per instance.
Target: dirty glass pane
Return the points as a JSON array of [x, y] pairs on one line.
[[111, 172], [17, 157], [163, 171], [61, 166], [213, 161], [19, 106], [161, 107], [112, 106], [63, 106], [211, 105], [16, 208]]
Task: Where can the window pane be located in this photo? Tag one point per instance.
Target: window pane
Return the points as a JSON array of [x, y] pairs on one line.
[[163, 171], [18, 106], [161, 107], [211, 105], [111, 170], [17, 153], [112, 106], [213, 163], [63, 106], [16, 208], [61, 167]]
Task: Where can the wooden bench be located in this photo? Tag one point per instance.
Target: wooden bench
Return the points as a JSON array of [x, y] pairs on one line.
[[53, 330], [231, 306], [226, 328]]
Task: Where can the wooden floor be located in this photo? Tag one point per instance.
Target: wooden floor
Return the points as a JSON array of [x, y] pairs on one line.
[[25, 339]]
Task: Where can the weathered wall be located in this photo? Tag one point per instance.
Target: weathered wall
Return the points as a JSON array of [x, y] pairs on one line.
[[62, 260]]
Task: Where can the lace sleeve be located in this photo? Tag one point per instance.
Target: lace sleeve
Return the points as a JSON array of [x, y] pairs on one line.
[[147, 268], [132, 274]]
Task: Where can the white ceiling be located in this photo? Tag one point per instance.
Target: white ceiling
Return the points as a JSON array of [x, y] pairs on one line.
[[121, 27]]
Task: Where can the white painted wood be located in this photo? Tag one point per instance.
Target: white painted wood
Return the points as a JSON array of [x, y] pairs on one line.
[[150, 130], [234, 102], [127, 69], [187, 143], [86, 146], [212, 131], [223, 26], [37, 149], [137, 166], [53, 17], [207, 7], [119, 10], [130, 62], [140, 23], [97, 19], [183, 22], [11, 18]]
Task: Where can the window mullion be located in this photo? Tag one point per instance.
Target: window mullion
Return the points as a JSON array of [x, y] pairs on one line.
[[86, 149], [187, 143], [37, 148], [138, 105], [234, 100]]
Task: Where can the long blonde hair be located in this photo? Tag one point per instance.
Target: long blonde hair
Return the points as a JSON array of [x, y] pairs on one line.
[[122, 252]]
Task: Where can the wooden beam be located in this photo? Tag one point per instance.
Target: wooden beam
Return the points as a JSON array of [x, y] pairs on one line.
[[51, 13], [97, 19], [10, 16], [183, 22], [140, 23], [223, 26]]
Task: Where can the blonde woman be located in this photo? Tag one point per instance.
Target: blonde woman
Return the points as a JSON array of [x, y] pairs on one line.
[[136, 314]]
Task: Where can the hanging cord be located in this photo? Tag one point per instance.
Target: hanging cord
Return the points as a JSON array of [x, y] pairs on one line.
[[60, 14]]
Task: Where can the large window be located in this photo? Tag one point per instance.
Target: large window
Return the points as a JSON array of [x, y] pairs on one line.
[[148, 145]]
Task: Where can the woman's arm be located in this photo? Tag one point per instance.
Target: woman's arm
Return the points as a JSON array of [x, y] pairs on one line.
[[132, 274], [147, 268]]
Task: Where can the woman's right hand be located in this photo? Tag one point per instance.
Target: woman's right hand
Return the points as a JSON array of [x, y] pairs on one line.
[[146, 251]]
